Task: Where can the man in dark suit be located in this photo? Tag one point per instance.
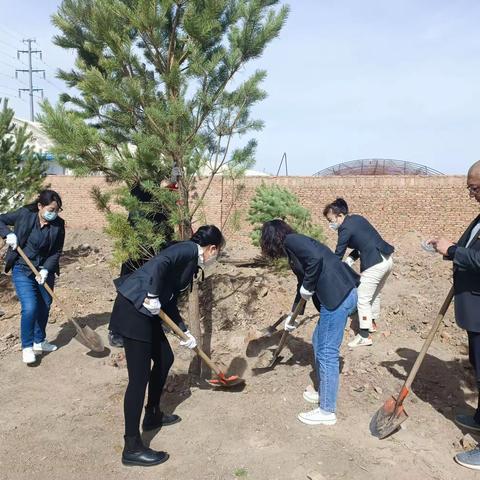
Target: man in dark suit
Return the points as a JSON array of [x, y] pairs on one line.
[[465, 255]]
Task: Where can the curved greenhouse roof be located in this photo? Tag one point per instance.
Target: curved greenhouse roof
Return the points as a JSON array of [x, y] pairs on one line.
[[377, 166]]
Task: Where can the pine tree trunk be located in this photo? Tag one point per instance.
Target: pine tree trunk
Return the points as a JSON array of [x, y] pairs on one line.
[[194, 326]]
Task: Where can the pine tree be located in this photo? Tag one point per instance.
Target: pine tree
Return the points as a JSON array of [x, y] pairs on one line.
[[158, 92], [275, 202], [22, 171], [161, 91]]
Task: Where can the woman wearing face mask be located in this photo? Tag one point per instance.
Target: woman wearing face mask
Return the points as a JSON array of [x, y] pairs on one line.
[[40, 232], [376, 262], [331, 284], [154, 286]]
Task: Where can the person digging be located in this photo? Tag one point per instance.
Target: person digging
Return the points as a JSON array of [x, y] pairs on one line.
[[323, 276], [141, 295], [465, 255]]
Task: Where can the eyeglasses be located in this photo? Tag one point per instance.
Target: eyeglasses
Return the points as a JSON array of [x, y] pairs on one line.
[[473, 189]]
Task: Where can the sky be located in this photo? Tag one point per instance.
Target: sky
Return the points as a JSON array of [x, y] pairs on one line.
[[346, 80]]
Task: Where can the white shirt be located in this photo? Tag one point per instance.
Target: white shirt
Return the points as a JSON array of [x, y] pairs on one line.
[[200, 255], [473, 234]]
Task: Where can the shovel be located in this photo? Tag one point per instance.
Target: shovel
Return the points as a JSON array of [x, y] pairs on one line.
[[85, 335], [389, 417], [221, 379], [271, 329], [266, 359]]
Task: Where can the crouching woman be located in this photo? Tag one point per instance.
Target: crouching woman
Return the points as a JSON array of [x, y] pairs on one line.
[[332, 283]]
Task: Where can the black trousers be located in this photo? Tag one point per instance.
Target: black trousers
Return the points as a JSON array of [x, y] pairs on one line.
[[474, 357], [139, 356]]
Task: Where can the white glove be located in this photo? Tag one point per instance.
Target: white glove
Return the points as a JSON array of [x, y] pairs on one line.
[[190, 342], [305, 294], [43, 274], [152, 304], [12, 241], [289, 326], [349, 261]]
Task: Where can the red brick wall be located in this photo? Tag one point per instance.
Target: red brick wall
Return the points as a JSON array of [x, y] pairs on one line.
[[396, 205]]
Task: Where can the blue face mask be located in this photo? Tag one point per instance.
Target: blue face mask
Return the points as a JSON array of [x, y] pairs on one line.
[[50, 216], [333, 226]]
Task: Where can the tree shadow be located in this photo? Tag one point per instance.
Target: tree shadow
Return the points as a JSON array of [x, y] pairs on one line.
[[440, 383]]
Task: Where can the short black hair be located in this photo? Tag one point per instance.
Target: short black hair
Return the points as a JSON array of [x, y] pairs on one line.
[[45, 197], [273, 237], [208, 235], [339, 206]]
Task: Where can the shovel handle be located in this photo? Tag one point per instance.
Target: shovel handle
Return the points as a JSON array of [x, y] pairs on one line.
[[48, 289], [182, 335], [285, 334], [428, 341], [36, 272]]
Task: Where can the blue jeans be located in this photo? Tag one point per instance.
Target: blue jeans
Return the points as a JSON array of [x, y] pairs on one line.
[[35, 302], [327, 338]]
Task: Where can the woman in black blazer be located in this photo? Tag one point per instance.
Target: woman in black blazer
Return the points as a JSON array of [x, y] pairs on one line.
[[376, 263], [40, 232], [332, 284], [141, 294]]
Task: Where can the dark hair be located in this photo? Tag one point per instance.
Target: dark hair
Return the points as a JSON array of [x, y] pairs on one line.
[[273, 237], [45, 197], [208, 235], [339, 206]]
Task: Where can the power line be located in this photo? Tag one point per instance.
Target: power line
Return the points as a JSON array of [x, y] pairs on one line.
[[8, 88], [12, 33]]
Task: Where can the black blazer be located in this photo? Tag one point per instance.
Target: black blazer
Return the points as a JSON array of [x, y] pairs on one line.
[[466, 281], [23, 221], [319, 270], [358, 233], [165, 275]]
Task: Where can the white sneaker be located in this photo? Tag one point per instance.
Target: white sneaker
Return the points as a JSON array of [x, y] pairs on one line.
[[310, 395], [44, 347], [359, 341], [318, 417], [28, 356]]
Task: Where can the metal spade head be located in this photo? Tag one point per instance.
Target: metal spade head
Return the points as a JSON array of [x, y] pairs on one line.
[[388, 418]]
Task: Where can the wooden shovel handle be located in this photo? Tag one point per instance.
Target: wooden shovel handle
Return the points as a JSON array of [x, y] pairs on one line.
[[285, 334], [182, 335], [95, 344], [428, 341], [36, 272]]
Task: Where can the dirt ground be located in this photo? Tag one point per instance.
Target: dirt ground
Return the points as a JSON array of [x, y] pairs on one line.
[[63, 417]]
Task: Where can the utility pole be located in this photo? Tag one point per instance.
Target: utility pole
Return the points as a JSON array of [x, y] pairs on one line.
[[31, 89]]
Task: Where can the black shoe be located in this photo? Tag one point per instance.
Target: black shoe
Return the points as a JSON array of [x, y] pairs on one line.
[[155, 418], [136, 453]]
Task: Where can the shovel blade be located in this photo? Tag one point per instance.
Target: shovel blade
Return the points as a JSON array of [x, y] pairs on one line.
[[90, 339], [225, 382], [388, 418]]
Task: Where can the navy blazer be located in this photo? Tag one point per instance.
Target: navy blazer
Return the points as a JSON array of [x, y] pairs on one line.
[[319, 270], [166, 275], [357, 233], [466, 280], [23, 221]]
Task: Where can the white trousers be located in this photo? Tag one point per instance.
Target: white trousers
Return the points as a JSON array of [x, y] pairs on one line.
[[372, 281]]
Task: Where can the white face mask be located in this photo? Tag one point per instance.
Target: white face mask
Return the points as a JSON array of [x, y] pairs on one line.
[[333, 226], [210, 261]]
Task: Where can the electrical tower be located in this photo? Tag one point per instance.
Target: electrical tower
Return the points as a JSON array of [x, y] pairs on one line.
[[30, 72]]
